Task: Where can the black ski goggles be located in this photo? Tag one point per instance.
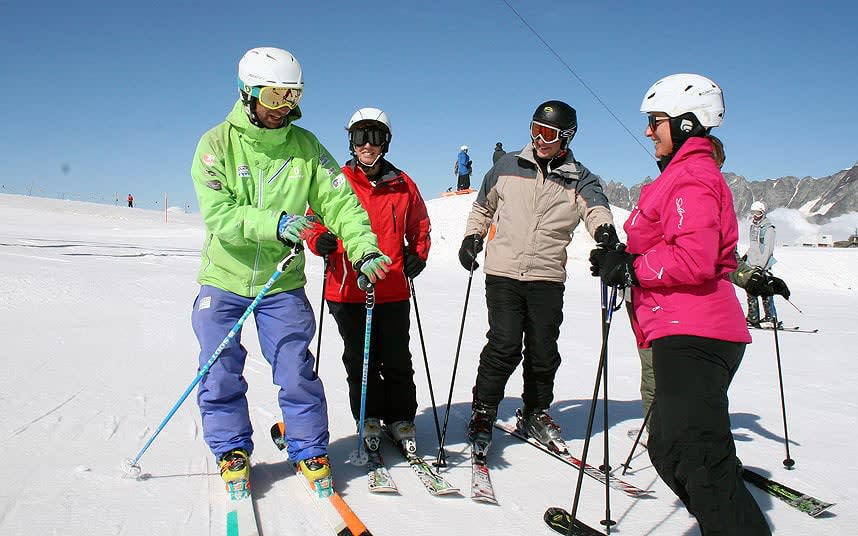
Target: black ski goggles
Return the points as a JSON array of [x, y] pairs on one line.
[[373, 136]]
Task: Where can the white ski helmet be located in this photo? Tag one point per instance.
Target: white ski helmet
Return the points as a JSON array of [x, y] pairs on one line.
[[269, 66], [367, 116], [370, 114], [758, 206], [463, 148], [679, 94]]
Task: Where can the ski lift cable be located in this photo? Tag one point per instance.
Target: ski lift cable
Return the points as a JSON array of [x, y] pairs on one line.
[[581, 80]]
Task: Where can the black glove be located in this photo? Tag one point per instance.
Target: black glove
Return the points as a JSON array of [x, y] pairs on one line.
[[762, 283], [326, 243], [471, 246], [596, 257], [606, 236], [413, 265], [616, 268]]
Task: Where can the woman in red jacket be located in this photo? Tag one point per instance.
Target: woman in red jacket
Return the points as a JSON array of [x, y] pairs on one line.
[[681, 249], [399, 218]]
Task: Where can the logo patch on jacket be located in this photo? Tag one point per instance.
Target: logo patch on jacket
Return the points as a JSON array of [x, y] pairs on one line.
[[338, 181], [323, 160], [242, 171], [209, 159], [214, 185]]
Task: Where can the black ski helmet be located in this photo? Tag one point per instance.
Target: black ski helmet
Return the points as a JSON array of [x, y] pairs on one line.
[[558, 114]]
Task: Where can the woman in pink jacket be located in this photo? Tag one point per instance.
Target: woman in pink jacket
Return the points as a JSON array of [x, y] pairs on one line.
[[681, 243]]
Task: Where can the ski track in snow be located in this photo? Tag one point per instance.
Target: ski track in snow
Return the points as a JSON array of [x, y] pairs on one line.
[[25, 427]]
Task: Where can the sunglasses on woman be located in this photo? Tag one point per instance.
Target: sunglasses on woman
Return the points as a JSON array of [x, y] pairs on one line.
[[654, 120]]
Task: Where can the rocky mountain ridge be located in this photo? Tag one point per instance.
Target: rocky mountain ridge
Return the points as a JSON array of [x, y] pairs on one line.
[[820, 199]]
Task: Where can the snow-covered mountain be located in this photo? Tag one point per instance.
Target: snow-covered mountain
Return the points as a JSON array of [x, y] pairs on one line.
[[819, 199]]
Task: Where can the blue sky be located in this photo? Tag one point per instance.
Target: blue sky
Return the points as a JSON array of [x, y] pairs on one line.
[[105, 98]]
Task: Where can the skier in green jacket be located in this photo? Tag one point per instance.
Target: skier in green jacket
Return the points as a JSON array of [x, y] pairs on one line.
[[254, 175]]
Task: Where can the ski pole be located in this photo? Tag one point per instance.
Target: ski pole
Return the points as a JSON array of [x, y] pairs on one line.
[[788, 461], [441, 461], [129, 466], [425, 361], [637, 439], [321, 316], [603, 355], [360, 457]]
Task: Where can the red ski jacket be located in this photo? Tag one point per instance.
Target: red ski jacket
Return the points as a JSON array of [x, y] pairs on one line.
[[399, 219]]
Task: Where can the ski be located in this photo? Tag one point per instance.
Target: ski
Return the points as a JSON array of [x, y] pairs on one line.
[[378, 476], [333, 509], [566, 457], [434, 483], [798, 500], [795, 329], [559, 520], [240, 516], [481, 483]]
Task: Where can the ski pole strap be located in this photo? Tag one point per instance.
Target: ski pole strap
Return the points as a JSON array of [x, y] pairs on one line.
[[290, 257]]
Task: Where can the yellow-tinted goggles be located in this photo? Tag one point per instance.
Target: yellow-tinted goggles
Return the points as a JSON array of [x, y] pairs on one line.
[[275, 98]]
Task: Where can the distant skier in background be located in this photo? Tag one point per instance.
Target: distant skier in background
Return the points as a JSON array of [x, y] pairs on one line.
[[400, 221], [760, 255], [251, 225], [130, 201], [498, 153], [463, 168]]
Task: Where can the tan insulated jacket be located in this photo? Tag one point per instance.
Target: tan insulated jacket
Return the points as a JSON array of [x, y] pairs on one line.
[[532, 216]]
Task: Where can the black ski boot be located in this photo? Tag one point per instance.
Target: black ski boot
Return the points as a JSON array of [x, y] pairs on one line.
[[480, 426]]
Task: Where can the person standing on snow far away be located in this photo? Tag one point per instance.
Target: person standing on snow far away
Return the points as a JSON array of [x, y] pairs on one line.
[[537, 198], [400, 221], [462, 169], [130, 201], [498, 153], [682, 239], [759, 255], [254, 175]]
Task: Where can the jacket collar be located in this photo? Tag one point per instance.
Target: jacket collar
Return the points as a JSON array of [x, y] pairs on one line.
[[263, 136], [389, 172], [692, 148], [561, 166]]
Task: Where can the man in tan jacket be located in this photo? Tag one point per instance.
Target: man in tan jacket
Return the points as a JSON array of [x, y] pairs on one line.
[[529, 204]]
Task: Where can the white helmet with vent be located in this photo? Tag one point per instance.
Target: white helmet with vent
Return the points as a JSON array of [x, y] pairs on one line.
[[679, 94], [370, 114], [269, 66]]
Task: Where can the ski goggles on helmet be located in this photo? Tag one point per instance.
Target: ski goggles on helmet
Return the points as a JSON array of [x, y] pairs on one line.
[[548, 133], [372, 135], [275, 98]]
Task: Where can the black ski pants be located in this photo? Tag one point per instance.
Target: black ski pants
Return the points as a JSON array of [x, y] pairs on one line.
[[464, 182], [390, 392], [528, 311], [691, 443]]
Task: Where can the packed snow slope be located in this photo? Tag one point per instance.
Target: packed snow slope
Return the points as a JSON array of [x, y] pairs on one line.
[[95, 305]]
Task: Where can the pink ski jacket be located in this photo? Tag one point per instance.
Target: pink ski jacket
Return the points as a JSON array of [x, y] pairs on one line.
[[684, 228]]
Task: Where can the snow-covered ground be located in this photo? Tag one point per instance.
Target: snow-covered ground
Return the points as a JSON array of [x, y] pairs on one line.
[[97, 346]]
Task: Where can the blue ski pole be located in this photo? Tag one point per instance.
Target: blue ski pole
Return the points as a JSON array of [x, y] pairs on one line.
[[360, 457], [129, 466]]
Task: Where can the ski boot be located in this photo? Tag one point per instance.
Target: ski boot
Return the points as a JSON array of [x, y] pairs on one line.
[[317, 471], [371, 433], [406, 434], [235, 471], [480, 427], [769, 323], [541, 427]]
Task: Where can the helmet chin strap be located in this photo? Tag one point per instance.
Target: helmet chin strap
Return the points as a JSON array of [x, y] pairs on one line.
[[368, 166]]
